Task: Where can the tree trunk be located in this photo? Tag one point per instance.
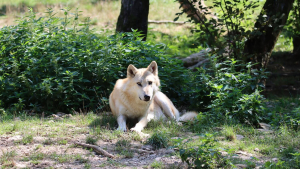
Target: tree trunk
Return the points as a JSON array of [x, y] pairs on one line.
[[192, 12], [269, 26], [134, 15], [296, 44]]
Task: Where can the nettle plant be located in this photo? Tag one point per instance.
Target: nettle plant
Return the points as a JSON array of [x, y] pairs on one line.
[[59, 64], [234, 95], [206, 155]]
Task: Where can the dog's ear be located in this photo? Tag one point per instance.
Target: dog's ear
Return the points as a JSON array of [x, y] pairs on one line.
[[153, 68], [131, 71]]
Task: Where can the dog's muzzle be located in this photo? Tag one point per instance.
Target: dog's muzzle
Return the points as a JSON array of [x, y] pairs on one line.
[[146, 98]]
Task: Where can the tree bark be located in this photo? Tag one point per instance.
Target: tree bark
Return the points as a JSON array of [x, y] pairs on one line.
[[192, 12], [269, 26], [296, 32], [133, 15], [296, 44]]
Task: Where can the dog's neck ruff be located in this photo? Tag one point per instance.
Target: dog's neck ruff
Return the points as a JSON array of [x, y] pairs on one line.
[[133, 108]]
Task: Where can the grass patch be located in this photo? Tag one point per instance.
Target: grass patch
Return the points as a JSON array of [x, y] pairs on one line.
[[158, 140], [157, 164], [7, 159], [80, 159], [123, 147], [26, 140], [91, 140], [229, 133], [48, 141], [104, 121], [61, 158], [62, 142]]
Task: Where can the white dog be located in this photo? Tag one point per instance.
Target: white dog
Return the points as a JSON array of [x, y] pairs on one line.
[[138, 96]]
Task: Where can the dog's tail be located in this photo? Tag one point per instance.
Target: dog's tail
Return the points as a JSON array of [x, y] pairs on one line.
[[188, 116]]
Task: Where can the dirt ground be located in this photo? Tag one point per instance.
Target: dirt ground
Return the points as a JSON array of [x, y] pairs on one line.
[[46, 150], [284, 77]]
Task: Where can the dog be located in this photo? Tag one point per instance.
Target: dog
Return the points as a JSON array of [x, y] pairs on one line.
[[138, 97]]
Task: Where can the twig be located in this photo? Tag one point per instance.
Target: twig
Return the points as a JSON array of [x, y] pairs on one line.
[[96, 149], [142, 151]]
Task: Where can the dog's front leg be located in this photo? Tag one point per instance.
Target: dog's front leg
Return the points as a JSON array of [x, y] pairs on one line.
[[140, 125], [122, 123]]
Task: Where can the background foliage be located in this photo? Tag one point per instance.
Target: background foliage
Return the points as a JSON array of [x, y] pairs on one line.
[[58, 64], [52, 63]]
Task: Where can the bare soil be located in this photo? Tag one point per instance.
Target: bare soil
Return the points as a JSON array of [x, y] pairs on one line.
[[284, 77], [47, 150], [66, 155]]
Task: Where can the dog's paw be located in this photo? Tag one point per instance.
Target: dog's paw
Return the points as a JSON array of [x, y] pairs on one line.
[[139, 131], [136, 129], [144, 135]]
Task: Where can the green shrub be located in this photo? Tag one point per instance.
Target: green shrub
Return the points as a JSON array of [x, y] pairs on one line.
[[27, 139], [293, 161], [91, 140], [234, 92], [56, 64], [205, 155], [284, 112], [158, 140], [123, 147]]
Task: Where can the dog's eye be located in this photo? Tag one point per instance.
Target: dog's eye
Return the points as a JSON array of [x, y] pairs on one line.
[[150, 83], [139, 83]]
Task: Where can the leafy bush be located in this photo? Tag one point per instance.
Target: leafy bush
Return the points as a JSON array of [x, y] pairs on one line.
[[233, 95], [57, 64], [284, 112], [158, 140], [292, 162], [205, 155]]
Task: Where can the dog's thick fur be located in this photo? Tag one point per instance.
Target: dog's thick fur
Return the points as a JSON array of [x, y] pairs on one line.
[[138, 96]]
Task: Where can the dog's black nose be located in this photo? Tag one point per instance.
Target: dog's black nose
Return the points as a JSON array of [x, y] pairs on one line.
[[146, 98]]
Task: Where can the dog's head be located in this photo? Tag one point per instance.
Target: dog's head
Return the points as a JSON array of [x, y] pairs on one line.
[[146, 80]]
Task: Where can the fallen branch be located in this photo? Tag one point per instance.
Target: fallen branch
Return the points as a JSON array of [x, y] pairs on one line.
[[161, 22], [97, 149], [142, 151]]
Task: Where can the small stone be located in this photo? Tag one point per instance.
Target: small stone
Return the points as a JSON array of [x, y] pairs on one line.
[[239, 137], [170, 151], [179, 123], [157, 158], [265, 131], [256, 149], [265, 126], [275, 159], [218, 128], [147, 147], [67, 116], [60, 114], [241, 165], [56, 117], [17, 119]]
